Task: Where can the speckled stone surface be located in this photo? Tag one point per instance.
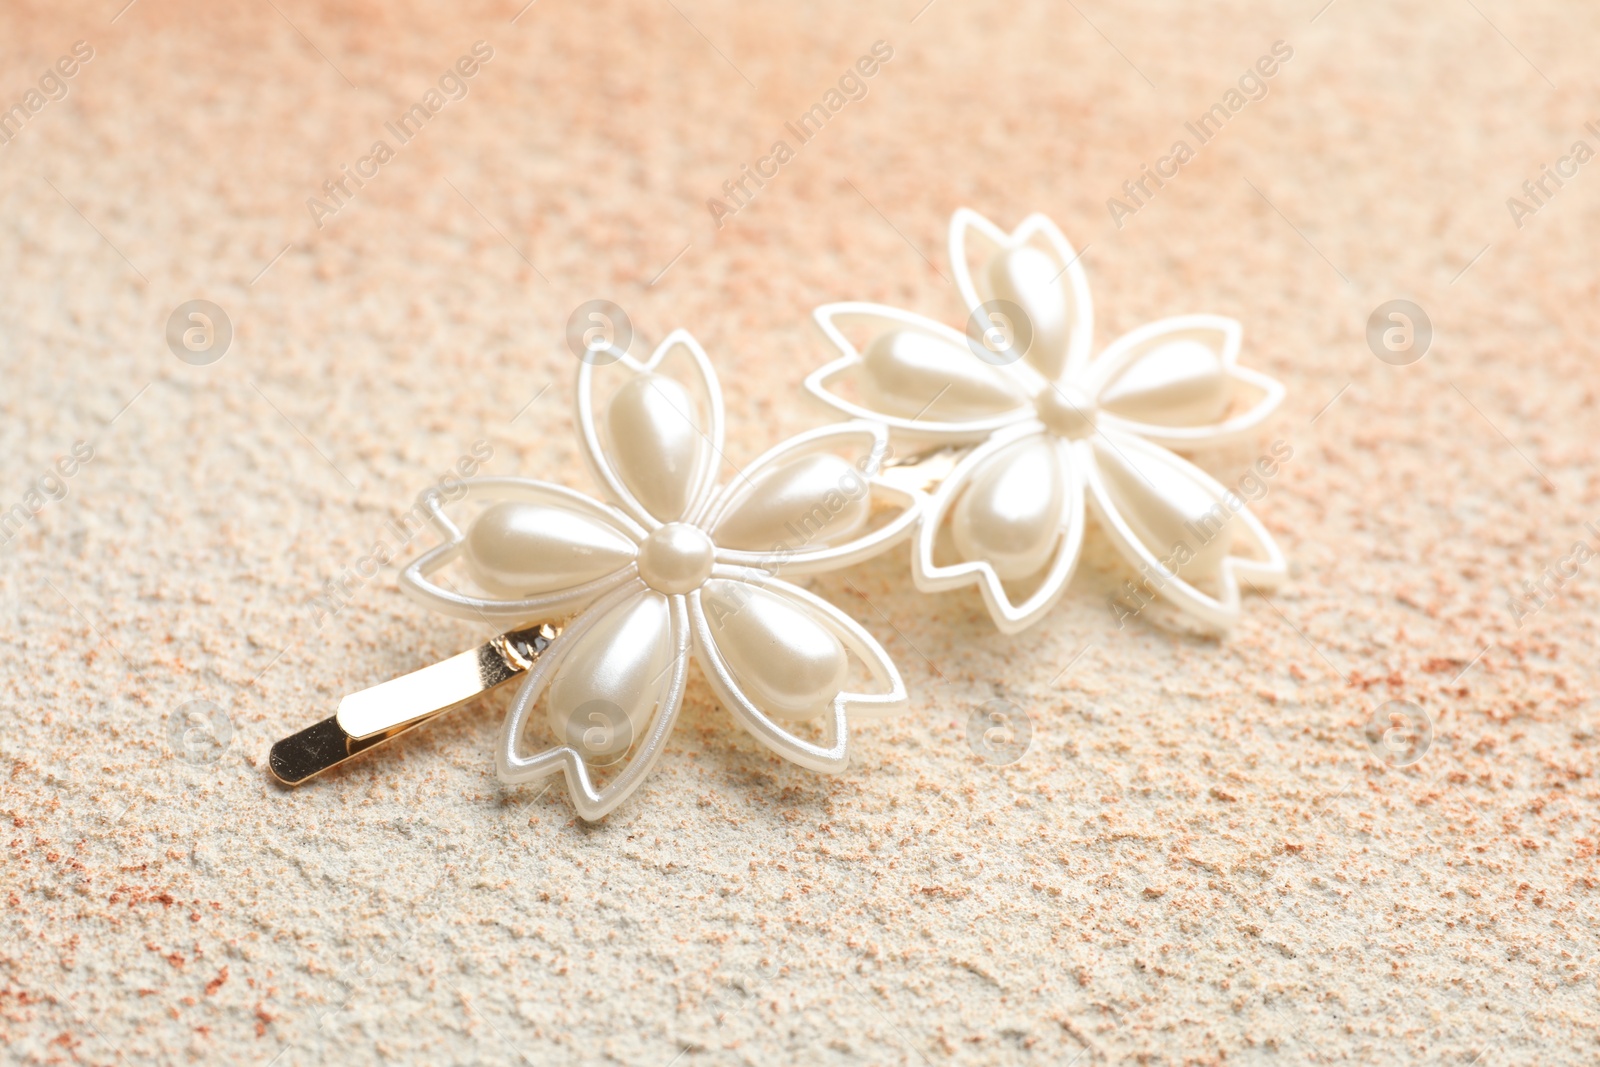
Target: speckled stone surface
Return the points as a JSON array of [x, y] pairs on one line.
[[1198, 860]]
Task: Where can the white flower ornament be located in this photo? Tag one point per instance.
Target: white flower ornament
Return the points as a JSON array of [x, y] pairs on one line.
[[1046, 428], [675, 567]]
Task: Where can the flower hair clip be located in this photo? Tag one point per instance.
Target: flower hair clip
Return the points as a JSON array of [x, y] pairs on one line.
[[1024, 429], [608, 601]]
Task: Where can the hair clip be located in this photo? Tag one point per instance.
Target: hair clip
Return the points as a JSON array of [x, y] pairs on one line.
[[1026, 428], [607, 602]]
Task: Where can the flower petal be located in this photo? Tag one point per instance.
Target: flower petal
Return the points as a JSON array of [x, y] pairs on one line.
[[1035, 268], [614, 662], [911, 372], [802, 507], [1178, 526], [1010, 513], [615, 678], [748, 639], [1011, 527], [779, 499], [1175, 381], [780, 658], [538, 552], [516, 549], [917, 376], [656, 446]]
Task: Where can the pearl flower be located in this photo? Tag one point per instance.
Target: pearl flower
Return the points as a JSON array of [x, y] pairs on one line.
[[675, 568], [1044, 429]]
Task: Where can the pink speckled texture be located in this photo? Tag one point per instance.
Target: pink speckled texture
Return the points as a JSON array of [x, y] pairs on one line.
[[1197, 861]]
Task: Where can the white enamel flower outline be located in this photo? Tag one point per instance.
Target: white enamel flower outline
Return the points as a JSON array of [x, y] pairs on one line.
[[686, 614], [1107, 423]]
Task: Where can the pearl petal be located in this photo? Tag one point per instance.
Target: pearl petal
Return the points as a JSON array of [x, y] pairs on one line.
[[910, 373], [1030, 279], [1164, 506], [786, 663], [1010, 513], [1178, 382], [654, 443], [605, 689], [811, 501], [516, 549]]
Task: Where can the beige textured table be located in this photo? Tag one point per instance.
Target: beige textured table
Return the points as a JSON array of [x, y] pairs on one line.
[[1197, 860]]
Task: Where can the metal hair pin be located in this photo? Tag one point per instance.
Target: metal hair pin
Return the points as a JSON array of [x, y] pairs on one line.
[[607, 602], [1023, 435]]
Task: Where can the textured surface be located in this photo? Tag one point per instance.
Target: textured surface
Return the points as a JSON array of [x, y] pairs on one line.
[[1198, 859]]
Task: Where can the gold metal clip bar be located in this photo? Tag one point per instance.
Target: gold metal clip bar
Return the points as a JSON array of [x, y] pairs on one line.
[[389, 709]]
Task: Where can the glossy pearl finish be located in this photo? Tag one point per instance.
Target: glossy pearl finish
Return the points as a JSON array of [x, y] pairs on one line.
[[812, 501], [787, 664], [911, 373], [655, 443], [1164, 507], [605, 689], [516, 549], [1031, 279], [1010, 513], [1066, 411], [1179, 382], [676, 558]]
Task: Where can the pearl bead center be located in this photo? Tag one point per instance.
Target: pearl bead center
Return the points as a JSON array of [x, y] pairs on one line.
[[1066, 411], [677, 558]]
